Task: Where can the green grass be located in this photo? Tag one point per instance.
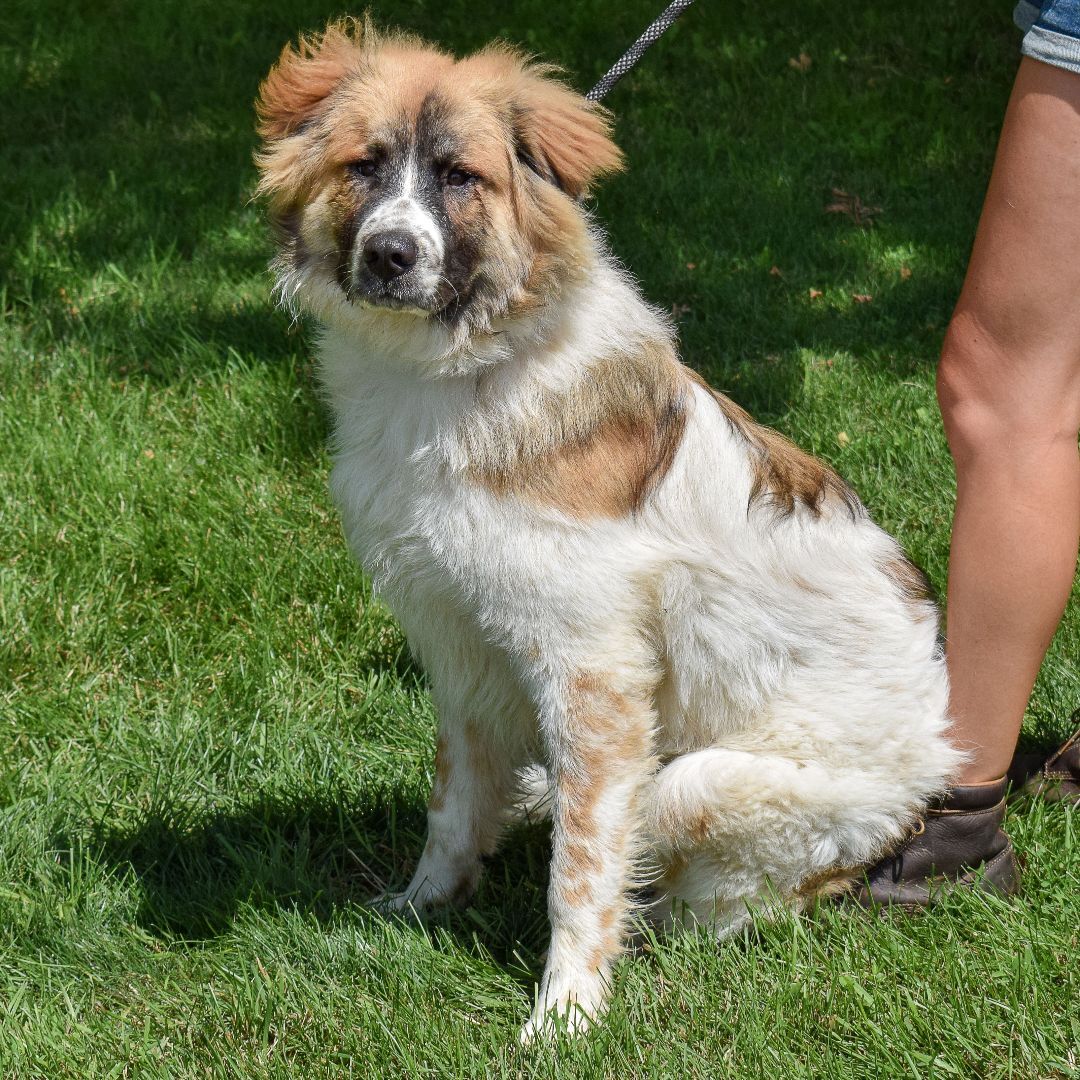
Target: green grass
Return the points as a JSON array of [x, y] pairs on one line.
[[213, 745]]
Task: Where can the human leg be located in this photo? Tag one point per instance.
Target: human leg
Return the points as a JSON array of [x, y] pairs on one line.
[[1009, 387]]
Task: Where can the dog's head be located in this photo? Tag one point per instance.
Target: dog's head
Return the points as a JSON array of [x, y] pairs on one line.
[[407, 183]]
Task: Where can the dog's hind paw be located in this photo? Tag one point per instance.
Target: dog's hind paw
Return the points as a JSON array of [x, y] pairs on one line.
[[534, 799]]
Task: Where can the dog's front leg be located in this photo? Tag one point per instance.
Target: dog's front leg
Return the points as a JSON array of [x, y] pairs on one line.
[[599, 734], [474, 775]]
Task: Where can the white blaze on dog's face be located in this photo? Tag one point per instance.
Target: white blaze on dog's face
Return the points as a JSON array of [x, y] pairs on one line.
[[404, 180]]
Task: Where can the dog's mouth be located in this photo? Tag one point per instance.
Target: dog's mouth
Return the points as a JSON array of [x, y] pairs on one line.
[[366, 290], [446, 301], [388, 302]]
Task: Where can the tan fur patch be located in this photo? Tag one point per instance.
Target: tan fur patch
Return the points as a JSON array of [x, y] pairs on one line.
[[614, 725], [599, 955], [303, 77], [579, 791], [560, 129], [596, 450], [697, 830], [581, 862], [601, 448], [609, 727], [576, 892], [828, 883], [571, 134], [441, 782], [399, 76], [781, 471], [912, 584]]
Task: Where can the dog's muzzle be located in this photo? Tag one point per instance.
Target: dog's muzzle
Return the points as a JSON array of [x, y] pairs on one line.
[[397, 258]]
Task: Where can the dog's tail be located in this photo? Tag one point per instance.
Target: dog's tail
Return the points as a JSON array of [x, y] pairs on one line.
[[735, 830]]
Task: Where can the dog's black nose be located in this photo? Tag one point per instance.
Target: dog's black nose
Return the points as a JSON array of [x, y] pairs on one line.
[[388, 255]]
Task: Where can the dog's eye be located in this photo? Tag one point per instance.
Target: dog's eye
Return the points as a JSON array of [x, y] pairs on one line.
[[364, 168], [457, 178]]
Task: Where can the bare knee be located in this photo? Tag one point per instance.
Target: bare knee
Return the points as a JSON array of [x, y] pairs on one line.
[[1000, 398]]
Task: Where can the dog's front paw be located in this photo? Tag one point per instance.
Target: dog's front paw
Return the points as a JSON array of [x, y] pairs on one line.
[[401, 903], [567, 1009], [571, 1021], [427, 891]]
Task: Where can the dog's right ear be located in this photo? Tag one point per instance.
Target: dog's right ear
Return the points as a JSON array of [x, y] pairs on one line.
[[303, 77]]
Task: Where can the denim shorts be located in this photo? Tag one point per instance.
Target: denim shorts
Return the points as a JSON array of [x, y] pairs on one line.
[[1051, 31]]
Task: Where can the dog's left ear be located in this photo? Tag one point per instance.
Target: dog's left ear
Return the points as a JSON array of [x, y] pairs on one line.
[[562, 136]]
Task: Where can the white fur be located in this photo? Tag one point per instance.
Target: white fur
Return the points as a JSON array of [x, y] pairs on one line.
[[802, 702]]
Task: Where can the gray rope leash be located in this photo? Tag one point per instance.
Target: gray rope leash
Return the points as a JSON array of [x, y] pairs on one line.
[[638, 49]]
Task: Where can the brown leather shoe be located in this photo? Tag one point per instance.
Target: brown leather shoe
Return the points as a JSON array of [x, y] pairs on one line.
[[958, 845], [1057, 777]]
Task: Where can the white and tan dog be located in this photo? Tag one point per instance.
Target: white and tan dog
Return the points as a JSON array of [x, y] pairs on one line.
[[622, 588]]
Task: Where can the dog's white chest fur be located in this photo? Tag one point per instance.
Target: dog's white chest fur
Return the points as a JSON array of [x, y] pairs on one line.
[[387, 480]]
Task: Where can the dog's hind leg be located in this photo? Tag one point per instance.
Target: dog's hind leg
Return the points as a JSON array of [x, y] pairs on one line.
[[733, 830]]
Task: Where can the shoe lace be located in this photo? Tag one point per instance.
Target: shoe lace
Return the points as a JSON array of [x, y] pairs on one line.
[[917, 828]]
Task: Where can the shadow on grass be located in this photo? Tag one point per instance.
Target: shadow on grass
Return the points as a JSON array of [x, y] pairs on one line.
[[318, 856], [162, 339]]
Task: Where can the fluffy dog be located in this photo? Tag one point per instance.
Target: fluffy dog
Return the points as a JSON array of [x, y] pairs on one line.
[[621, 587]]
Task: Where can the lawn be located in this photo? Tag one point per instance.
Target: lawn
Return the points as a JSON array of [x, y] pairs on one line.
[[213, 744]]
